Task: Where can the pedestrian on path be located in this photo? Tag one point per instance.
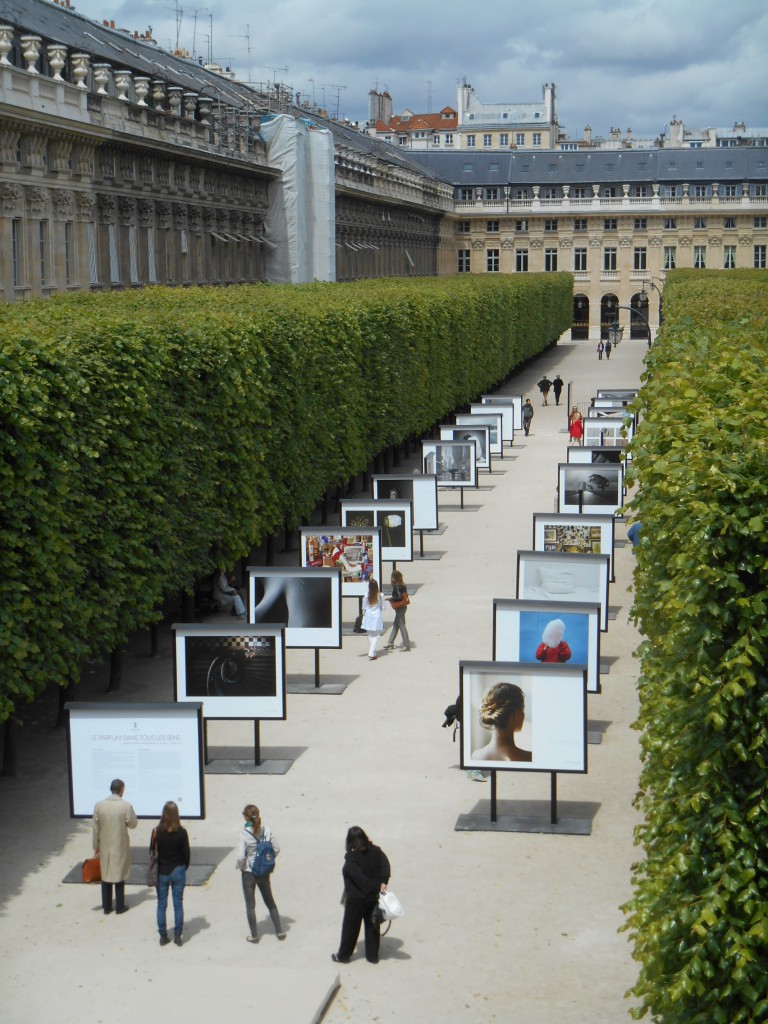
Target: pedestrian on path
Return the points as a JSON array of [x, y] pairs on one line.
[[527, 416], [171, 842], [608, 347], [366, 873], [111, 820], [600, 348], [373, 617], [557, 387], [575, 426], [544, 385], [251, 834], [399, 602]]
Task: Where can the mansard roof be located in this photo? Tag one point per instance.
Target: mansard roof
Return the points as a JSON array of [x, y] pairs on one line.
[[744, 163]]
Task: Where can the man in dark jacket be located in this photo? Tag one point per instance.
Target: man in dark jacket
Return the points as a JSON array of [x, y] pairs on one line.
[[544, 385]]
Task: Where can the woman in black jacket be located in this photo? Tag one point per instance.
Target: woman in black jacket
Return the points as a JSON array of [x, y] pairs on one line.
[[365, 873], [171, 841]]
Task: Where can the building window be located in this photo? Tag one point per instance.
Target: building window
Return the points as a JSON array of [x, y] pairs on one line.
[[700, 257], [449, 138], [521, 261], [521, 194], [579, 192], [610, 224], [492, 261], [760, 190], [729, 223], [729, 257], [487, 140], [550, 224], [700, 191], [699, 223], [669, 190], [504, 139], [580, 260], [470, 142], [43, 236], [435, 140], [537, 138], [580, 224], [759, 257], [640, 258], [520, 138], [68, 252], [641, 191], [670, 224], [463, 261], [641, 224], [549, 193], [402, 140], [491, 226], [608, 192], [609, 258], [466, 195], [463, 227], [550, 259], [16, 253], [730, 190], [760, 222], [670, 257], [492, 194]]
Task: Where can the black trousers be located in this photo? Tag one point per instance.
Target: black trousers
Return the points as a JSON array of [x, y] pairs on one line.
[[106, 895], [357, 912]]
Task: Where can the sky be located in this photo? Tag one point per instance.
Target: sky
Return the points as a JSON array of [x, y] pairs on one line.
[[615, 63]]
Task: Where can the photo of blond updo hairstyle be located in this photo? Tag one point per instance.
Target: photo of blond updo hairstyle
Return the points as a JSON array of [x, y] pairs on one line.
[[499, 704]]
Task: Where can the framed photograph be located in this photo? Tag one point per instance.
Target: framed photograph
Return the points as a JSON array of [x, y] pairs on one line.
[[156, 749], [393, 517], [480, 435], [306, 601], [490, 420], [595, 456], [236, 671], [355, 553], [537, 632], [622, 394], [610, 403], [588, 488], [575, 534], [558, 577], [512, 420], [601, 432], [454, 463], [420, 490], [517, 717]]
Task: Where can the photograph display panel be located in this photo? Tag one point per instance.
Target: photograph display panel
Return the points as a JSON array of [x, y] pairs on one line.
[[579, 534], [552, 576], [596, 456], [356, 553], [537, 632], [454, 463], [306, 601], [512, 420], [156, 749], [610, 403], [600, 432], [490, 420], [480, 436], [622, 394], [517, 717], [393, 517], [588, 488], [235, 671], [420, 490]]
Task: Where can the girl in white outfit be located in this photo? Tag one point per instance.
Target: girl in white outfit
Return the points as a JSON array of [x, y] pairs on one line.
[[373, 617]]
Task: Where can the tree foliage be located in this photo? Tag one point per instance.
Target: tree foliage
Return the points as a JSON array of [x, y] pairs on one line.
[[699, 915], [147, 436]]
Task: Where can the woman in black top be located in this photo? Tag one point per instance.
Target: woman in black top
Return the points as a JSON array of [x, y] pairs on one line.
[[365, 873], [172, 844]]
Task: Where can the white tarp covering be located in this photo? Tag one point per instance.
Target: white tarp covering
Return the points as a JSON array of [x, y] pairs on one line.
[[300, 225]]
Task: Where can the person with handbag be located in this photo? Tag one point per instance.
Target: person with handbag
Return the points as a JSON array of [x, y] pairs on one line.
[[111, 820], [366, 873], [399, 602], [252, 835], [171, 843], [373, 617]]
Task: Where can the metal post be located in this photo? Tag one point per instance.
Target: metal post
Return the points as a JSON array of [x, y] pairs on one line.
[[256, 742], [494, 815], [553, 799], [317, 668]]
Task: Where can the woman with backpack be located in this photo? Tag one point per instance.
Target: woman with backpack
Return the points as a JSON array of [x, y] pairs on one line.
[[256, 862]]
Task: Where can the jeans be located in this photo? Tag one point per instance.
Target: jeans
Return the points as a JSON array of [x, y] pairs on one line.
[[398, 626], [176, 882], [250, 882]]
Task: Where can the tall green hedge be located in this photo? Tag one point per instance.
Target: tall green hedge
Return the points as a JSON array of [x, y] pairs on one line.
[[699, 915], [148, 435]]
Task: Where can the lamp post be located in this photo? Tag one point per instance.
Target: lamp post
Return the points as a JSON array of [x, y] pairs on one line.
[[644, 295], [615, 331]]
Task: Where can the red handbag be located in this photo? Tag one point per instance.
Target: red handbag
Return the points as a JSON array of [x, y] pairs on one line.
[[92, 870]]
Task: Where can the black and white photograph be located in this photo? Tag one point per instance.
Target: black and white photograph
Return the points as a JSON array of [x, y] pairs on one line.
[[454, 463], [236, 671], [621, 394], [356, 553], [554, 576], [518, 717], [419, 489], [513, 419], [576, 534], [480, 435], [491, 420], [306, 601], [588, 488], [596, 456], [393, 517]]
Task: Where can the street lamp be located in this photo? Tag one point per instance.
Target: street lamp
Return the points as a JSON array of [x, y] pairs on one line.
[[644, 294], [616, 331]]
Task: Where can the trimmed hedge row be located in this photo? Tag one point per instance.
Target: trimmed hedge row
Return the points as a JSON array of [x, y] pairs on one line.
[[148, 436], [699, 915]]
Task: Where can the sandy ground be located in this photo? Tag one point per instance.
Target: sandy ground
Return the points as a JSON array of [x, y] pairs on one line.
[[499, 926]]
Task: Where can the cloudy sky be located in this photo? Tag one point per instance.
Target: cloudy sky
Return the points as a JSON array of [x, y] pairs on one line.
[[616, 63]]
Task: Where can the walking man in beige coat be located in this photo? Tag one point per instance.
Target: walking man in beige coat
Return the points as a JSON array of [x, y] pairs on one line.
[[111, 820]]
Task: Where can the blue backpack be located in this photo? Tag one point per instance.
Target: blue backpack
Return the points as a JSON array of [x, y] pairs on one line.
[[263, 859]]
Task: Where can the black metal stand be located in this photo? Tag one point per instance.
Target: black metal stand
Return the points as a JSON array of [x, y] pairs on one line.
[[533, 822], [317, 668]]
